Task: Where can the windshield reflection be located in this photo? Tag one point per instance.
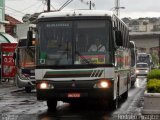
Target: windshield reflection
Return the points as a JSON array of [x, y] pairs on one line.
[[61, 43]]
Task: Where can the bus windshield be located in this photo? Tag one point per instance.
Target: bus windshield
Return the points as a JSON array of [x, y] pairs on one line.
[[74, 42], [146, 58], [26, 54]]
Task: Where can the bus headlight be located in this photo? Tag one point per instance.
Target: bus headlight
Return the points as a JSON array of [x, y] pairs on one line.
[[146, 71], [102, 84], [137, 71], [45, 85]]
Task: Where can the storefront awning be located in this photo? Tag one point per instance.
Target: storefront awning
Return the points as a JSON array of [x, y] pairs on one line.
[[4, 22]]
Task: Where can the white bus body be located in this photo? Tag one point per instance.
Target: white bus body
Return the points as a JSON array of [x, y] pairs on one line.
[[66, 71]]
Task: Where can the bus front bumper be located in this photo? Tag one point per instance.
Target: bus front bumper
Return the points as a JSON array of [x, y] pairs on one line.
[[71, 90], [67, 95]]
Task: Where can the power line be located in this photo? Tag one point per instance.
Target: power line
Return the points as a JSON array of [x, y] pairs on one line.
[[15, 10], [45, 3], [20, 11], [65, 4], [53, 7], [30, 6], [38, 7]]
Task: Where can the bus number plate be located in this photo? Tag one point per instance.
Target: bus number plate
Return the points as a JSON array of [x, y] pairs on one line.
[[74, 95]]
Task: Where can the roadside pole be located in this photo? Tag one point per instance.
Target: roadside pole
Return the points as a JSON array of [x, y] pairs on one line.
[[159, 51], [0, 66]]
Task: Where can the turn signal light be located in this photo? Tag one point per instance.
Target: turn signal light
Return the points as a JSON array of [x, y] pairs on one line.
[[137, 71]]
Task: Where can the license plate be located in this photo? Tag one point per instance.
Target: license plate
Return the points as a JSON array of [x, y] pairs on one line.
[[74, 95]]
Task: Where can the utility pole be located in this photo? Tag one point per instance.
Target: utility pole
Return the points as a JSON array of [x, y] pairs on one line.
[[48, 5], [159, 50], [90, 5], [117, 6]]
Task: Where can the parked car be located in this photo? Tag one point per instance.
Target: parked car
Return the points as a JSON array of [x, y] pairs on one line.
[[142, 69]]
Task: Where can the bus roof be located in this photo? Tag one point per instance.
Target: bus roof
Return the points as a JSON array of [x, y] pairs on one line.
[[143, 53], [71, 13]]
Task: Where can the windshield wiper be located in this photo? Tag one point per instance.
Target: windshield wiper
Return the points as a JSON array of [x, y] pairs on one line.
[[83, 58]]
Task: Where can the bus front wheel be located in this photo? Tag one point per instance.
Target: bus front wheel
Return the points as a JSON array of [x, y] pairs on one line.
[[52, 105], [115, 103]]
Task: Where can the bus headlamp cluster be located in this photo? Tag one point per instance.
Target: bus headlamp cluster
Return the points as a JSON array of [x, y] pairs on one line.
[[102, 84], [45, 85], [137, 71], [146, 71]]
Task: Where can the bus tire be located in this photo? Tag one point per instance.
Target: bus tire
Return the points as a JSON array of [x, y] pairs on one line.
[[115, 103], [52, 105], [125, 95], [28, 89], [132, 83]]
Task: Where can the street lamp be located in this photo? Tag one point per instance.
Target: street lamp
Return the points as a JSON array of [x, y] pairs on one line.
[[116, 9]]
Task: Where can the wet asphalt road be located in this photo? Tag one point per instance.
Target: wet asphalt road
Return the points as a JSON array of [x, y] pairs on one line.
[[15, 104]]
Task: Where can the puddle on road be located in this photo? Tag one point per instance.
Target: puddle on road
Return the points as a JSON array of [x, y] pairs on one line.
[[23, 102], [1, 98], [140, 81], [27, 102]]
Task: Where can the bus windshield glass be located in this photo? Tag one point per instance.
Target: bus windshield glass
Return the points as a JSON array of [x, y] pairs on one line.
[[142, 65], [74, 42], [26, 54], [144, 58]]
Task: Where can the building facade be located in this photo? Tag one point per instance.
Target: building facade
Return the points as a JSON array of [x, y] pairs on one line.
[[11, 27], [2, 16]]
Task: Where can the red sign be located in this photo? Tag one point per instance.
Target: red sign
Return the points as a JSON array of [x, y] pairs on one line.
[[8, 63], [74, 95], [8, 47]]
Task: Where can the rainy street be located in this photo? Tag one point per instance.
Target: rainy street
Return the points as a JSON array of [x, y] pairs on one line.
[[79, 60], [16, 104]]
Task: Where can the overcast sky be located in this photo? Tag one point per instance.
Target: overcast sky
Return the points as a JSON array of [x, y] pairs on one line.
[[133, 8]]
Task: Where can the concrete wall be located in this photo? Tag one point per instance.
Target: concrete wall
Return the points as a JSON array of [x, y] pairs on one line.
[[147, 43], [145, 40]]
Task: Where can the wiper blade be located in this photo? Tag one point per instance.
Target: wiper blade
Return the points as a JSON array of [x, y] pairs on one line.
[[83, 58]]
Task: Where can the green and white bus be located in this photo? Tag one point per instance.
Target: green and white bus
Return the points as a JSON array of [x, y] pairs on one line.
[[67, 71]]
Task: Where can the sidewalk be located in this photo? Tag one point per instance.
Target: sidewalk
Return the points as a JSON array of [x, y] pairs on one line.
[[9, 86]]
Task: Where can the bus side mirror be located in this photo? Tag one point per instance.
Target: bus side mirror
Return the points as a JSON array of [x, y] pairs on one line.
[[119, 40], [29, 38]]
